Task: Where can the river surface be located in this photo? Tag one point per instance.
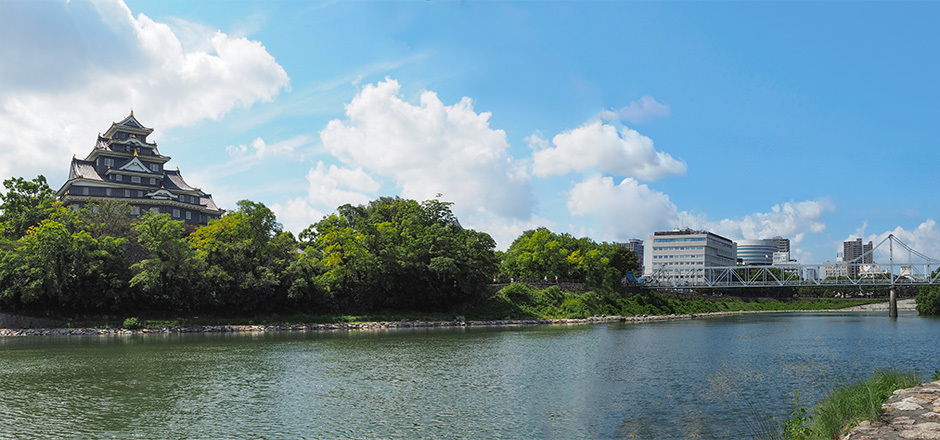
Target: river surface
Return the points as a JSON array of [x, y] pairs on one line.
[[703, 378]]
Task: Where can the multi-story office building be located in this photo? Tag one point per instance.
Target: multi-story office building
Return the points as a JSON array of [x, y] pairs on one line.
[[635, 245], [855, 254], [756, 252], [682, 255]]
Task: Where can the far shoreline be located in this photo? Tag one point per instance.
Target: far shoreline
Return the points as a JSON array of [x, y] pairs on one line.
[[408, 324]]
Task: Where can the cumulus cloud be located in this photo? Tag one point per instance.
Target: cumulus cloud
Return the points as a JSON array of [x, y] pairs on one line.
[[70, 68], [430, 148], [296, 215], [336, 186], [599, 146], [925, 238], [625, 210], [260, 149], [786, 220], [640, 111]]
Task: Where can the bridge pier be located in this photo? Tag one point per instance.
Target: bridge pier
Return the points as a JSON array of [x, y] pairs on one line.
[[893, 302]]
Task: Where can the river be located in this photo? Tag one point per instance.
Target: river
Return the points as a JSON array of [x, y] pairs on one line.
[[703, 378]]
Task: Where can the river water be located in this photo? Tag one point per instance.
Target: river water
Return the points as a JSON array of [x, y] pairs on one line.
[[704, 378]]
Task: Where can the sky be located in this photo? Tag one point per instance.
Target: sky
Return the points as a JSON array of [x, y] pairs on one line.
[[813, 121]]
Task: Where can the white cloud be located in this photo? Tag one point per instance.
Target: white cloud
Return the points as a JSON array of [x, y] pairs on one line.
[[925, 238], [626, 210], [72, 67], [335, 186], [261, 149], [296, 215], [596, 145], [430, 148], [640, 111]]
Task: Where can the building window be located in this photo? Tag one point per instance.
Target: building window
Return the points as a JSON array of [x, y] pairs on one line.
[[135, 179], [153, 181], [155, 167], [108, 162], [85, 191], [135, 210], [127, 193], [189, 215], [155, 210], [94, 209], [75, 207], [176, 213], [140, 193], [107, 192], [119, 178]]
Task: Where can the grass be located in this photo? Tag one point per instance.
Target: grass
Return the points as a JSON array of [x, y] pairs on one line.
[[849, 404]]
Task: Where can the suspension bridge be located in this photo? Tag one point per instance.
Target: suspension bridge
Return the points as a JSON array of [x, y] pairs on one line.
[[904, 266]]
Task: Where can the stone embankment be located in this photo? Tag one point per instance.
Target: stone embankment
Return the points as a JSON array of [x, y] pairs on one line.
[[912, 413], [353, 326]]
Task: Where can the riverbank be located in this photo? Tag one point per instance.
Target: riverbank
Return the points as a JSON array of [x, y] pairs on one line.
[[386, 325], [911, 413]]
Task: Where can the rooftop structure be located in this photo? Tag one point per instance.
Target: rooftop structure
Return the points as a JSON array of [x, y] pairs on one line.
[[125, 167]]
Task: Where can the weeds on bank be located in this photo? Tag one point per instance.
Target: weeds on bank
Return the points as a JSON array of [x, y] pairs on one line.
[[845, 405]]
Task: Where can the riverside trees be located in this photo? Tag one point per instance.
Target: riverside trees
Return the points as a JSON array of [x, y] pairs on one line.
[[391, 254]]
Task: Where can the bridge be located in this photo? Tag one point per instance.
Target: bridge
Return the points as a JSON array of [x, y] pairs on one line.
[[905, 267]]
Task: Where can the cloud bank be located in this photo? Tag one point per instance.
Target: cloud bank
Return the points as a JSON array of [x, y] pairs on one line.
[[72, 67]]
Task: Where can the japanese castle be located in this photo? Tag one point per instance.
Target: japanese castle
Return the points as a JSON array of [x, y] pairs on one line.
[[124, 167]]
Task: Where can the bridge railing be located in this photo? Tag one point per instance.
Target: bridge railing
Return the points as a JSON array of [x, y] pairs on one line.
[[795, 275]]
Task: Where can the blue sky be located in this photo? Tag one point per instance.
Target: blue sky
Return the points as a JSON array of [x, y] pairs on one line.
[[810, 120]]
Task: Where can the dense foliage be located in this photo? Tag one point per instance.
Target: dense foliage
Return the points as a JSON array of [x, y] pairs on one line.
[[928, 301], [541, 255], [392, 254]]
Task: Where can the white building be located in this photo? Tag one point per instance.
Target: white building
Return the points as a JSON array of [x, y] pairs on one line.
[[682, 255], [756, 252], [635, 245]]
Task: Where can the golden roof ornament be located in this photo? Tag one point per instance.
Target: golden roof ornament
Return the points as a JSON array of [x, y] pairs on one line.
[[135, 152]]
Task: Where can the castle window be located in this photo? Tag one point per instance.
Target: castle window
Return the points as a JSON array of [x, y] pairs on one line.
[[176, 213], [108, 162], [155, 210], [107, 192], [189, 215], [135, 210], [140, 193], [127, 193], [85, 191], [155, 167], [135, 179], [119, 178], [153, 181]]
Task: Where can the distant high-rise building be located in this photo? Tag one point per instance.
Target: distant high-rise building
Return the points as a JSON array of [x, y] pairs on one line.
[[783, 244], [854, 254], [635, 245]]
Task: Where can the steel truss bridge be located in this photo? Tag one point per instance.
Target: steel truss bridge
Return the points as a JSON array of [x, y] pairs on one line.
[[905, 267]]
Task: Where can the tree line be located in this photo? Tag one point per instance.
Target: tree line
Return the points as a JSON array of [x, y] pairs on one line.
[[391, 254]]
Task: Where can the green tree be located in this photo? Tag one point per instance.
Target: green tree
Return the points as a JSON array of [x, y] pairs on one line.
[[245, 255], [25, 204], [166, 275], [54, 269]]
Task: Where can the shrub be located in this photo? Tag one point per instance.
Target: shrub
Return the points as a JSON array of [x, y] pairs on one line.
[[928, 301], [132, 324]]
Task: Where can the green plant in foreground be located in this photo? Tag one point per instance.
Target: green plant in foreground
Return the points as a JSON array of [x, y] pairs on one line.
[[796, 426], [132, 323], [860, 401], [936, 375]]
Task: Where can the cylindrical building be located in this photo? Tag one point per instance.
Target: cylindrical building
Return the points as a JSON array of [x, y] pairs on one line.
[[756, 252]]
